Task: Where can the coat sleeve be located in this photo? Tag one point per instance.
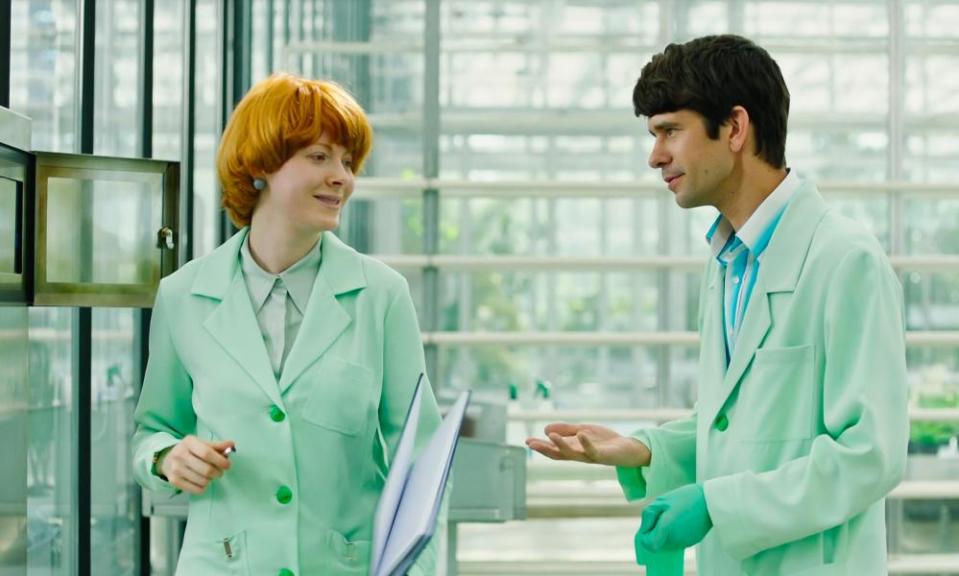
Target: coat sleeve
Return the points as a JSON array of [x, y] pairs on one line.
[[862, 453], [673, 463], [403, 362], [164, 412]]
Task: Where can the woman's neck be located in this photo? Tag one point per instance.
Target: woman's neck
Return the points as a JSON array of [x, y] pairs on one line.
[[276, 248]]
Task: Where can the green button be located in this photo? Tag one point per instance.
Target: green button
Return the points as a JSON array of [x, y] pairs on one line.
[[722, 423], [276, 414], [284, 494], [285, 572]]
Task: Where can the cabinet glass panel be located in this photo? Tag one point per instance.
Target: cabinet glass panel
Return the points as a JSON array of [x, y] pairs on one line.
[[109, 224], [14, 187], [107, 229], [10, 191]]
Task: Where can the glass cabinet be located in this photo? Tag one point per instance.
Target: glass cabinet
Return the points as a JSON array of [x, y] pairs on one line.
[[80, 230], [106, 229]]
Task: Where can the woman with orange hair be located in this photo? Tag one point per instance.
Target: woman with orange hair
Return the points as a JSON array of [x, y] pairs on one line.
[[282, 364]]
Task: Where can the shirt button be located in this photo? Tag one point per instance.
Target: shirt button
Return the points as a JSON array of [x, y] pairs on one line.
[[736, 280], [276, 414], [722, 423], [284, 495], [285, 572]]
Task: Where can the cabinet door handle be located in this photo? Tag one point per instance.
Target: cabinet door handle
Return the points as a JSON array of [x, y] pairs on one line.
[[165, 239]]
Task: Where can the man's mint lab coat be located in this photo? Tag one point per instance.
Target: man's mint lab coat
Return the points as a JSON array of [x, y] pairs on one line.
[[800, 438], [312, 449]]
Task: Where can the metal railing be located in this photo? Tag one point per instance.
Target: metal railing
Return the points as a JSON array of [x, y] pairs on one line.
[[595, 338], [370, 188], [898, 564]]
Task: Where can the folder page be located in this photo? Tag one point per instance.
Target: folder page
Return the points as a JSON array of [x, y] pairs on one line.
[[414, 520], [396, 480]]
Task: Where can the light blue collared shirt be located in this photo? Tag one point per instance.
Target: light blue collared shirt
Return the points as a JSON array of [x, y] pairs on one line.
[[280, 317], [739, 254]]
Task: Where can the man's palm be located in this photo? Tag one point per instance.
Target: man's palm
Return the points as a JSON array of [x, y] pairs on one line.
[[590, 443]]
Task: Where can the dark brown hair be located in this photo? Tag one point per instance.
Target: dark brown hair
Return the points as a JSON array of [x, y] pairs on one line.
[[711, 75]]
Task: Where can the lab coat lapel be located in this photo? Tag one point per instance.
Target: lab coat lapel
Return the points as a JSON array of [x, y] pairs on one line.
[[232, 324], [325, 319], [713, 346], [779, 271], [756, 324]]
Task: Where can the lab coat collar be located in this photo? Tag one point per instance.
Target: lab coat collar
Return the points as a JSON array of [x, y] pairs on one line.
[[341, 267], [785, 255], [233, 322], [298, 279]]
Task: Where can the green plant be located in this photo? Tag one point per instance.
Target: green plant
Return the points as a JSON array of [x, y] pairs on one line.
[[934, 433]]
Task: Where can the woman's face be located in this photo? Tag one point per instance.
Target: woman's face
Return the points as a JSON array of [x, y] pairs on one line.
[[310, 189]]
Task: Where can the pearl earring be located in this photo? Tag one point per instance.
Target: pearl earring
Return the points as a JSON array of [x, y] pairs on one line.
[[259, 183]]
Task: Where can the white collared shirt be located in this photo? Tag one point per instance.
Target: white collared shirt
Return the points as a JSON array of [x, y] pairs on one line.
[[279, 300], [739, 253]]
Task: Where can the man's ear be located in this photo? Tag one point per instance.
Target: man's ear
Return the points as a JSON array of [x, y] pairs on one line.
[[739, 123]]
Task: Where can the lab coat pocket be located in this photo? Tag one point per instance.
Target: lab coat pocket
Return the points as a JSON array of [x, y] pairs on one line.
[[339, 397], [223, 556], [235, 554], [778, 396], [351, 556]]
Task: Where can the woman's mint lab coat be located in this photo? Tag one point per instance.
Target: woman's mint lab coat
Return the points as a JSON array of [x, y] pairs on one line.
[[799, 439], [312, 449]]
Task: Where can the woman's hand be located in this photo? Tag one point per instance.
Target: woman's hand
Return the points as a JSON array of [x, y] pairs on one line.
[[592, 444], [192, 463]]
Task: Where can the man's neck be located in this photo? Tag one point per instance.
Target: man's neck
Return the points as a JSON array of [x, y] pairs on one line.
[[747, 190]]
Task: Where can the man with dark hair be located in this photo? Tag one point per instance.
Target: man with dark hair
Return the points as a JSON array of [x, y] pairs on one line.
[[800, 427]]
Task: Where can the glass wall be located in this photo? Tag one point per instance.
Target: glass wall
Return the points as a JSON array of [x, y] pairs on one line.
[[563, 244], [43, 87], [114, 496], [39, 395], [52, 458], [43, 70], [116, 71], [14, 429], [207, 99]]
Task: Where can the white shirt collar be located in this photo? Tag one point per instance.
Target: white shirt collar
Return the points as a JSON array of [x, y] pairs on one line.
[[721, 230], [298, 278]]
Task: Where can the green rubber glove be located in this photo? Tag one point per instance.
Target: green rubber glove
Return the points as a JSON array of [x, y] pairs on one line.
[[676, 520], [662, 563]]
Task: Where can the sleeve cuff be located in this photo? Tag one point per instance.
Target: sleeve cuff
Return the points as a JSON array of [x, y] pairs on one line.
[[144, 463], [633, 481], [721, 499]]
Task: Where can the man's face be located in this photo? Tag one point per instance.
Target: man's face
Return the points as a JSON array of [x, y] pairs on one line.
[[694, 166]]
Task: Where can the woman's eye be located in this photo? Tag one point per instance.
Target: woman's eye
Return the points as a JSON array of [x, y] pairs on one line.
[[348, 162], [319, 157]]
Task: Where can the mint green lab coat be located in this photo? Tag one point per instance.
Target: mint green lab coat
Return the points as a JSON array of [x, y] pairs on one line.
[[312, 449], [800, 438]]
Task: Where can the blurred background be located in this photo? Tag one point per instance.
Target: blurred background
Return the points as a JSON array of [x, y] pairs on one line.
[[551, 270]]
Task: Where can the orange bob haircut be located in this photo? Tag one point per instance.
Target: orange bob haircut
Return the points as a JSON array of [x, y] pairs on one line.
[[279, 116]]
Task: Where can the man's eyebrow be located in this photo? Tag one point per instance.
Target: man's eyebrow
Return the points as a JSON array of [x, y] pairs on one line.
[[663, 125]]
